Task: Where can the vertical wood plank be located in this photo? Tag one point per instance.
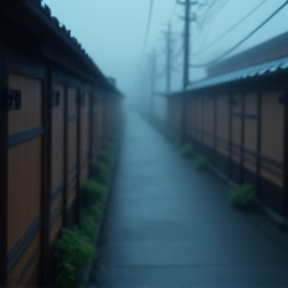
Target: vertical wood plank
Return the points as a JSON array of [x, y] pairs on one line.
[[230, 134], [46, 183], [215, 128], [243, 98], [78, 155], [259, 136], [65, 158], [91, 129], [285, 143], [3, 162]]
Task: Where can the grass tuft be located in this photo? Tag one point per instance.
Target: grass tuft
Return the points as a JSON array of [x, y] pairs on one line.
[[242, 197], [201, 163]]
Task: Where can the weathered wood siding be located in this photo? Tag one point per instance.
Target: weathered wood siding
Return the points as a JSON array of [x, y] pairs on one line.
[[57, 164], [242, 134], [24, 181]]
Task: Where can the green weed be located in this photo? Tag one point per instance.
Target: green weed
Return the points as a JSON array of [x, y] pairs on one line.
[[187, 150], [201, 163], [242, 197]]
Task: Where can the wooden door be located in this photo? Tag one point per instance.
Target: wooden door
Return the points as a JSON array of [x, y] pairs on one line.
[[25, 167], [57, 163]]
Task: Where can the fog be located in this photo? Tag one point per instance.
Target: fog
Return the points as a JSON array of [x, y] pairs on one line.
[[113, 33]]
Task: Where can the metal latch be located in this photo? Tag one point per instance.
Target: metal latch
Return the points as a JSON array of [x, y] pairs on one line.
[[12, 99], [55, 98]]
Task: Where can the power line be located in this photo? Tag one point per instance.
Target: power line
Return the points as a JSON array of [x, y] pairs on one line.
[[231, 29], [217, 9], [148, 26], [153, 81], [243, 40], [211, 12]]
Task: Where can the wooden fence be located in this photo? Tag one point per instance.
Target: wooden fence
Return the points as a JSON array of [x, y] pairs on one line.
[[242, 128], [57, 112]]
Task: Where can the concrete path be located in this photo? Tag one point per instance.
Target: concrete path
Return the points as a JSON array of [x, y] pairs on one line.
[[169, 225]]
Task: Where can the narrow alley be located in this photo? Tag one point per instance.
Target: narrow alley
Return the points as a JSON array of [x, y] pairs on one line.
[[169, 225], [84, 205]]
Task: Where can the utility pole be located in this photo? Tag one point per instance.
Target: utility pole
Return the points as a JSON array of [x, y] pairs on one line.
[[152, 81], [169, 41], [186, 38]]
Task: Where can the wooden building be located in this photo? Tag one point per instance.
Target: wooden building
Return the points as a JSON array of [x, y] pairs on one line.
[[239, 119], [57, 111]]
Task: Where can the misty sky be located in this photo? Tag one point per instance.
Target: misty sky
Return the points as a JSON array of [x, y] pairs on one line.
[[112, 32]]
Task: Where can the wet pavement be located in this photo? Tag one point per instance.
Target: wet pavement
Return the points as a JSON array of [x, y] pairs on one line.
[[169, 225]]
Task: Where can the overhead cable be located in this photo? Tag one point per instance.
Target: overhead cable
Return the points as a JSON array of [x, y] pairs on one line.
[[148, 25], [211, 12], [217, 9], [242, 41], [231, 29]]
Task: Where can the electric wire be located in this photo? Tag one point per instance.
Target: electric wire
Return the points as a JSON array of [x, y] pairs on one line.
[[231, 29], [243, 40], [205, 33], [211, 12], [148, 26]]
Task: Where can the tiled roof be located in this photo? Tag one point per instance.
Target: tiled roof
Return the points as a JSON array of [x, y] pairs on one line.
[[61, 27]]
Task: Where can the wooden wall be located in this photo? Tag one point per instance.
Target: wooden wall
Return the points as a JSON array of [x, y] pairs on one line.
[[98, 113], [57, 165], [60, 116], [242, 134], [72, 164], [174, 107], [24, 181], [85, 138]]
